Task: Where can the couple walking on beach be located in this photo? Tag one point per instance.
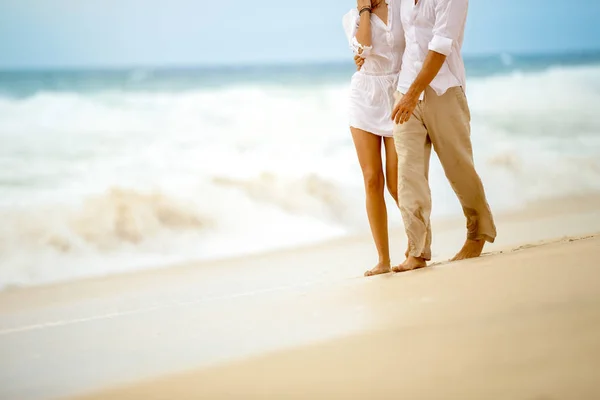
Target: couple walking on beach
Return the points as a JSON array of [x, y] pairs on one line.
[[409, 94]]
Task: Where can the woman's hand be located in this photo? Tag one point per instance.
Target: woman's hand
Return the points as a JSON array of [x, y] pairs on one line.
[[359, 61], [362, 4]]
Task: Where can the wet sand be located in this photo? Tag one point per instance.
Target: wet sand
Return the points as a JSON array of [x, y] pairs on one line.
[[523, 325]]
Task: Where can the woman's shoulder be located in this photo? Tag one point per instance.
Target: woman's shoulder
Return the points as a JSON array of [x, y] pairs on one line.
[[350, 22], [350, 18]]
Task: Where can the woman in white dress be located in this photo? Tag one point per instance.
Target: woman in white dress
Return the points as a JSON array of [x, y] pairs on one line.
[[374, 31]]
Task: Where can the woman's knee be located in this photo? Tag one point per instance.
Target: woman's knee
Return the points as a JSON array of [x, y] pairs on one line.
[[374, 181]]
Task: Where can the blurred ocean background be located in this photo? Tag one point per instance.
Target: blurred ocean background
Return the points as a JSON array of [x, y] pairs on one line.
[[118, 169]]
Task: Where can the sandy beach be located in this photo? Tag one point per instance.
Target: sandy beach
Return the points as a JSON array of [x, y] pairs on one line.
[[522, 322], [187, 196], [479, 335]]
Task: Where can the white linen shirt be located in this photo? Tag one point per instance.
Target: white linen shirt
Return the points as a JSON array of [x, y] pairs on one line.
[[437, 25]]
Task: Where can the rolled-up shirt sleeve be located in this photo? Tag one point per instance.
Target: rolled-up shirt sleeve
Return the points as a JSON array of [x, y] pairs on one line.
[[359, 49], [450, 18], [350, 23]]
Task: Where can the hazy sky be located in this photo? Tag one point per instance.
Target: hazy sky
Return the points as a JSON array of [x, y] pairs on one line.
[[42, 33]]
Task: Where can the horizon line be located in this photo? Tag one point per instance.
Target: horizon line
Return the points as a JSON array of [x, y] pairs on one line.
[[273, 63]]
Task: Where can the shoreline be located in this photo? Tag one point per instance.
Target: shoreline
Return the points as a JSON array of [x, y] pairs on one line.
[[130, 330], [536, 210]]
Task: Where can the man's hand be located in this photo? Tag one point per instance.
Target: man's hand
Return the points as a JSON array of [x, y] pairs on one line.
[[359, 61], [405, 108], [407, 104]]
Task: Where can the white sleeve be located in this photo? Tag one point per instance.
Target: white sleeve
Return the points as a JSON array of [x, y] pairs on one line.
[[350, 23], [450, 17]]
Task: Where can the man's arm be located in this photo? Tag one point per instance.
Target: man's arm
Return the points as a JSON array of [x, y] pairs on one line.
[[359, 61], [449, 24], [405, 107]]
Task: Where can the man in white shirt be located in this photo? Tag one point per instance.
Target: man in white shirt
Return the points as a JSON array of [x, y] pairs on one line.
[[431, 110]]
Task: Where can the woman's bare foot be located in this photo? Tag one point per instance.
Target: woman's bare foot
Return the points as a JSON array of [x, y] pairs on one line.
[[411, 264], [381, 268], [471, 249]]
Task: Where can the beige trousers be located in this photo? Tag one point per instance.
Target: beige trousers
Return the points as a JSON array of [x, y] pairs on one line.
[[444, 123]]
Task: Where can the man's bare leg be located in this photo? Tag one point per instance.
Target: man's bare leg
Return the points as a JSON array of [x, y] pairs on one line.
[[471, 249]]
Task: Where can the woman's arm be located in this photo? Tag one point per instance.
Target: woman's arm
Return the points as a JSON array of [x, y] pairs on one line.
[[363, 34], [357, 27]]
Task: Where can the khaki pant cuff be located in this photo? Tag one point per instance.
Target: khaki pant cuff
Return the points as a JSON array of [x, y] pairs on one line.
[[481, 236]]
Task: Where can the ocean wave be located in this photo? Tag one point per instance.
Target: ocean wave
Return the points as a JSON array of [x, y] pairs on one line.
[[547, 102], [125, 228], [311, 195], [93, 183], [558, 102], [102, 222]]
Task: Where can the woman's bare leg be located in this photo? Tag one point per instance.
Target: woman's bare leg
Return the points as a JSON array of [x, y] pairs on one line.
[[368, 148], [391, 167]]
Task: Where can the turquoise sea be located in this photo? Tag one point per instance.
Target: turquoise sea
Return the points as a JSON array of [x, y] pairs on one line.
[[103, 171]]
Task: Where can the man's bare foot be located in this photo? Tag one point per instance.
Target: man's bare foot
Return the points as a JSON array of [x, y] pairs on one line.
[[411, 264], [381, 268], [405, 259], [471, 249]]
